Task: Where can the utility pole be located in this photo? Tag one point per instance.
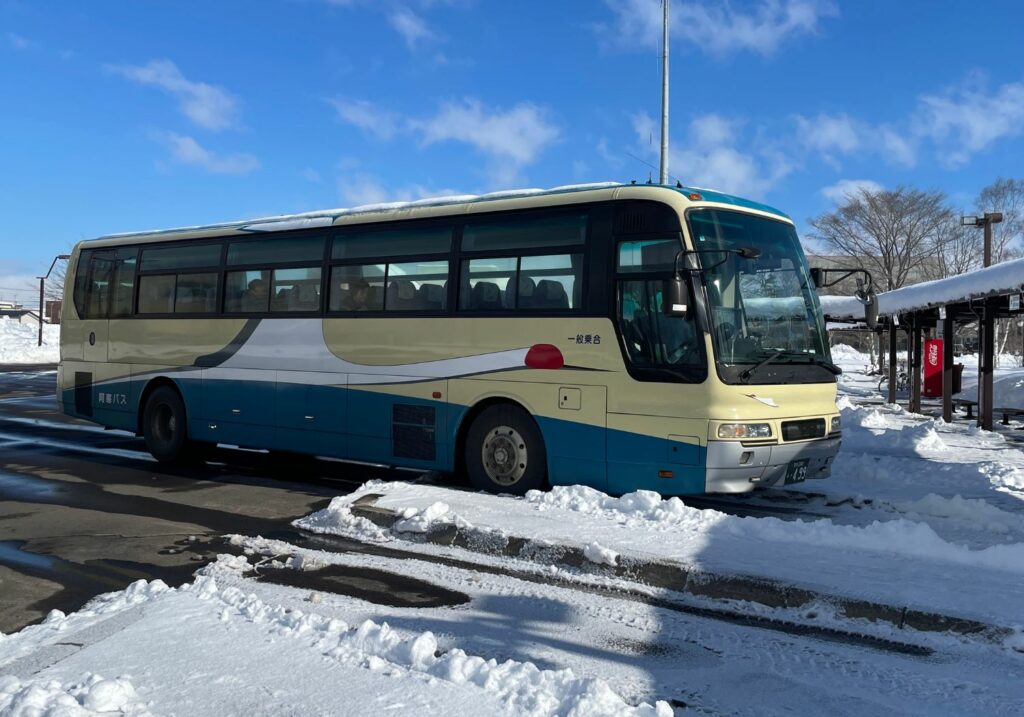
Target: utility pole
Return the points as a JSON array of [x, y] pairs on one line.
[[663, 174]]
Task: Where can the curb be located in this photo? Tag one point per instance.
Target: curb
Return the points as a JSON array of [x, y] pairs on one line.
[[678, 577]]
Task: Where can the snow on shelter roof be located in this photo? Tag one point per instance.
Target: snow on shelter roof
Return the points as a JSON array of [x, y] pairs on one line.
[[1005, 278], [998, 280], [326, 217]]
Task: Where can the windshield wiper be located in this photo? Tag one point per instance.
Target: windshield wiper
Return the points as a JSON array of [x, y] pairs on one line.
[[745, 374], [830, 367]]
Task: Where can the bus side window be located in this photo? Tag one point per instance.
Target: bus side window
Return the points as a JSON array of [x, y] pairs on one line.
[[97, 297]]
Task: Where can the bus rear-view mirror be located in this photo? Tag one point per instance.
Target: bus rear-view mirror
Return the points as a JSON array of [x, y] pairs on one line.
[[676, 297]]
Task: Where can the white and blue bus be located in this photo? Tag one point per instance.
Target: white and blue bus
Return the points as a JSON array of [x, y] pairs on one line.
[[622, 337]]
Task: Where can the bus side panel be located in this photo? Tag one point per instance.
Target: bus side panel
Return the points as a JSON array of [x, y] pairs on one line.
[[400, 424], [641, 447], [98, 392], [311, 413]]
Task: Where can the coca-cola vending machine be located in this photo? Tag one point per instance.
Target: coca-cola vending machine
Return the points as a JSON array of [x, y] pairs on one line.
[[933, 368]]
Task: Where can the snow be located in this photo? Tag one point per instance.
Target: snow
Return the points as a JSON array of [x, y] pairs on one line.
[[1004, 278], [19, 343], [91, 695], [841, 307], [325, 217], [220, 625], [1007, 385], [997, 280]]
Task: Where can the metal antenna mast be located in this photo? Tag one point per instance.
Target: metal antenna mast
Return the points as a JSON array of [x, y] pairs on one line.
[[663, 174]]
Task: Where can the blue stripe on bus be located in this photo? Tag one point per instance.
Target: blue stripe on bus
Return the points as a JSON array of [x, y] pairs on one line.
[[273, 416]]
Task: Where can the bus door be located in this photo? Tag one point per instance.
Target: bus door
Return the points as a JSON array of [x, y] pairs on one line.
[[95, 326]]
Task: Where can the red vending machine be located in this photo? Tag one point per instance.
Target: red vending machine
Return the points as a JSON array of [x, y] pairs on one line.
[[933, 368]]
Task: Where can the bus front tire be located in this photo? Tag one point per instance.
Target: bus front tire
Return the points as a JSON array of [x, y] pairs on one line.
[[505, 451], [165, 426]]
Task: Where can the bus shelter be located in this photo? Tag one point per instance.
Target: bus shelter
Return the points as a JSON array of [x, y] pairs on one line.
[[982, 295]]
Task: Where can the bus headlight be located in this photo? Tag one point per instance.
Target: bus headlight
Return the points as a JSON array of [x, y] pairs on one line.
[[836, 425], [745, 430]]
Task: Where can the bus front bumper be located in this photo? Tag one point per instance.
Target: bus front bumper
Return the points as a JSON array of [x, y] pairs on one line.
[[736, 468]]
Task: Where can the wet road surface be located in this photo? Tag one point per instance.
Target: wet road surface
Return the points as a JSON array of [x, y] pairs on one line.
[[85, 511]]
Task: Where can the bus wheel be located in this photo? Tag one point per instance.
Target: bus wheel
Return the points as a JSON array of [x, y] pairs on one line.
[[505, 451], [164, 425]]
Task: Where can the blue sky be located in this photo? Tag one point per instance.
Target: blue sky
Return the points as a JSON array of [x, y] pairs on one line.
[[132, 115]]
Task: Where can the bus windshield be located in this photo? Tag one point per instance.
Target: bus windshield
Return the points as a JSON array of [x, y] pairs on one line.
[[759, 308]]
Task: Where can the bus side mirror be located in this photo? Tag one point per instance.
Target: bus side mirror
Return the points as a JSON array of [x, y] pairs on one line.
[[676, 296], [816, 277]]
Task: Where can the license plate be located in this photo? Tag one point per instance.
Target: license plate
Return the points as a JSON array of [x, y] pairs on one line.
[[796, 472]]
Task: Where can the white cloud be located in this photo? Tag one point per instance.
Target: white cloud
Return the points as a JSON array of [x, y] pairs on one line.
[[362, 189], [18, 42], [708, 156], [898, 149], [368, 117], [187, 150], [206, 105], [846, 188], [829, 133], [517, 135], [834, 136], [967, 120], [410, 26], [717, 28], [712, 129]]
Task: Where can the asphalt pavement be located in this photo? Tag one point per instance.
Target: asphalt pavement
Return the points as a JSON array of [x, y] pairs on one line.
[[85, 511]]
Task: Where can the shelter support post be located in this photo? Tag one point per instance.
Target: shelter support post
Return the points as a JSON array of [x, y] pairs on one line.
[[892, 364], [947, 367], [914, 351], [985, 363], [41, 284]]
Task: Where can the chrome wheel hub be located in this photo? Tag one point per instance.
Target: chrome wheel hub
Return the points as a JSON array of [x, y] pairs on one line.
[[504, 455]]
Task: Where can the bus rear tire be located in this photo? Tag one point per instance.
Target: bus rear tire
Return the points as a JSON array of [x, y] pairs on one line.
[[505, 451], [165, 427]]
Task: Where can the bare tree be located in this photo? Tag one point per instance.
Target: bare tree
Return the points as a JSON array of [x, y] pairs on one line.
[[888, 232], [956, 249], [1006, 196]]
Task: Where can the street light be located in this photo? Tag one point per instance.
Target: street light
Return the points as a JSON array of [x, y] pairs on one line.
[[985, 222]]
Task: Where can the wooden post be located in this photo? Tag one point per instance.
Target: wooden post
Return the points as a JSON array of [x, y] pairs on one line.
[[985, 363], [914, 351], [947, 367], [892, 363]]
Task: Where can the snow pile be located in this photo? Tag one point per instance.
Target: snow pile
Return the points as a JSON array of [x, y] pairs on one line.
[[19, 343], [862, 427], [973, 512], [843, 354], [415, 520], [1007, 387], [643, 508], [93, 695], [337, 518], [520, 685], [597, 553]]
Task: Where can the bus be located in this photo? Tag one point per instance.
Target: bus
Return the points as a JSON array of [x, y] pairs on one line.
[[622, 337]]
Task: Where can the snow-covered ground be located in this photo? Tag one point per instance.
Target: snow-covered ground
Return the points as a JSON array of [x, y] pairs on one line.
[[19, 343], [916, 514]]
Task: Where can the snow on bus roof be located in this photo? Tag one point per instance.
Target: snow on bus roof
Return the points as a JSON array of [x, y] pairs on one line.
[[325, 217], [1004, 278]]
